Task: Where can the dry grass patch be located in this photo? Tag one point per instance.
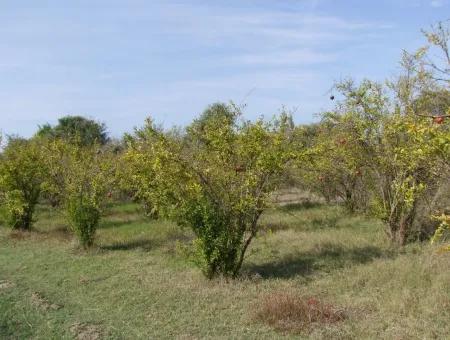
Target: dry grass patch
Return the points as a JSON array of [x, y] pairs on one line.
[[42, 303], [5, 284], [82, 331], [291, 313]]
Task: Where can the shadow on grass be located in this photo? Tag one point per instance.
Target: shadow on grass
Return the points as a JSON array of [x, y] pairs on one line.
[[144, 244], [325, 258], [60, 232], [117, 223], [291, 207], [148, 244]]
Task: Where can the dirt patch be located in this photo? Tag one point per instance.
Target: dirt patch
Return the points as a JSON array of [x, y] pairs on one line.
[[83, 280], [83, 331], [5, 284], [19, 235], [290, 313], [40, 302]]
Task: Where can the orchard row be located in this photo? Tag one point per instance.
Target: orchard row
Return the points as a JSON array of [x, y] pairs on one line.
[[384, 150]]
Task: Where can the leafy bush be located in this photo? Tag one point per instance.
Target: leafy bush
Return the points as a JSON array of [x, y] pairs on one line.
[[442, 234], [82, 176], [84, 218], [215, 178], [384, 149], [22, 173]]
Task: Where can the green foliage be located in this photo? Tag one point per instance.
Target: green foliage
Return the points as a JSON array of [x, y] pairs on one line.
[[405, 168], [84, 218], [76, 129], [17, 210], [343, 145], [82, 176], [435, 102], [215, 179], [378, 160], [442, 234], [22, 173]]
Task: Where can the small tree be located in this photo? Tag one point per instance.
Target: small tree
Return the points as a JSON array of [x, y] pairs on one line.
[[344, 144], [22, 173], [373, 151], [337, 170], [82, 176], [217, 180], [406, 166], [418, 133]]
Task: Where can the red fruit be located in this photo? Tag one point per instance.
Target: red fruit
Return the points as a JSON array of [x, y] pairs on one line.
[[438, 120]]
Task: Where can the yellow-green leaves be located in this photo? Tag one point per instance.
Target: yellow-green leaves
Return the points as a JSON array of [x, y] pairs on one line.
[[214, 178], [80, 177], [22, 173], [442, 233]]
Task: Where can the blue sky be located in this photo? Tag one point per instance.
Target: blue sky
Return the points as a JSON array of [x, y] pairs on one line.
[[120, 61]]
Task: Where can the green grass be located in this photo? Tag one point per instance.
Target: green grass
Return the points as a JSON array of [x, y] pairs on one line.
[[138, 284]]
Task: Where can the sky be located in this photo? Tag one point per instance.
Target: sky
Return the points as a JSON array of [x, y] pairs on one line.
[[119, 62]]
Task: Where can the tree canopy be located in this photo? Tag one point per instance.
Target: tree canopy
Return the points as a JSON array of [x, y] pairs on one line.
[[76, 128]]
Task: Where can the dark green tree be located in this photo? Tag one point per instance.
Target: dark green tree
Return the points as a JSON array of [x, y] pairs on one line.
[[76, 128]]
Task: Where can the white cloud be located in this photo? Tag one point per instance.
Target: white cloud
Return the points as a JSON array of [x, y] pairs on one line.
[[266, 37], [223, 26]]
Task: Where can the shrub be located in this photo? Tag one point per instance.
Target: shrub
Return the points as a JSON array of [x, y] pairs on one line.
[[379, 160], [22, 173], [84, 218], [442, 234], [405, 166], [215, 179], [385, 149], [82, 176]]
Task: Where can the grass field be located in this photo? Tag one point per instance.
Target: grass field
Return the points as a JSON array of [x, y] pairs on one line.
[[138, 284]]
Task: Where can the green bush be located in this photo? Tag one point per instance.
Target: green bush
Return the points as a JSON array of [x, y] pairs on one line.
[[82, 176], [218, 242], [215, 178], [22, 173], [84, 218]]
